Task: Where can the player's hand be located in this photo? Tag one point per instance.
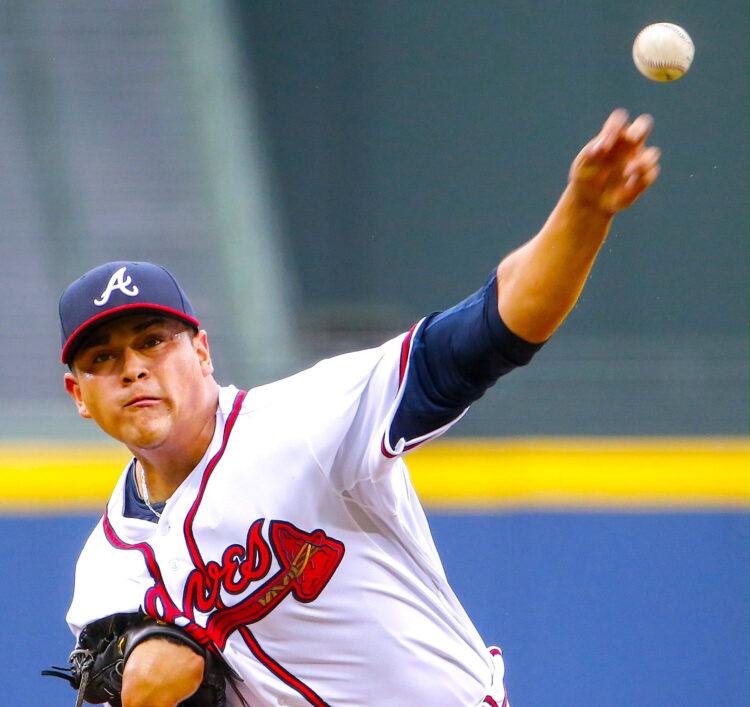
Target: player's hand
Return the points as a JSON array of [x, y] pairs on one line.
[[159, 673], [616, 167]]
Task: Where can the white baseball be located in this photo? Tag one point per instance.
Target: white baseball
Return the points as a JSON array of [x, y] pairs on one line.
[[663, 51]]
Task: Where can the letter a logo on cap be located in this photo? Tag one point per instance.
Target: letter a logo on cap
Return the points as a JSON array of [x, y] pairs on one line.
[[118, 281]]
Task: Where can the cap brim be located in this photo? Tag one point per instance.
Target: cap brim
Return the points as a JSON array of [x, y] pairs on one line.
[[76, 337]]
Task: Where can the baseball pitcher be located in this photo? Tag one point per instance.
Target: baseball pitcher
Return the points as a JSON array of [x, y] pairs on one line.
[[266, 547]]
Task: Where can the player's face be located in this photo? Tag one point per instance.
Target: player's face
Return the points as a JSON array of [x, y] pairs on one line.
[[143, 379]]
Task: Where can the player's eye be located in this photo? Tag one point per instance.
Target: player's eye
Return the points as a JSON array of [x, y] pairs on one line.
[[97, 359], [151, 341]]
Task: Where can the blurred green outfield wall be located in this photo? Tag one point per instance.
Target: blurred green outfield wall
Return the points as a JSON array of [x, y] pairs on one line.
[[415, 143]]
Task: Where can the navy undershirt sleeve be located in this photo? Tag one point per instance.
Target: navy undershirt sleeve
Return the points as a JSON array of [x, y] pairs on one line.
[[456, 356]]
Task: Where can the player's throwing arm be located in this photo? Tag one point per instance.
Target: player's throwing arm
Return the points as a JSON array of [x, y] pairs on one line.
[[539, 283]]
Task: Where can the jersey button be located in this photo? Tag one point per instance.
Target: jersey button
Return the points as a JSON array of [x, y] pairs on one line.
[[164, 527]]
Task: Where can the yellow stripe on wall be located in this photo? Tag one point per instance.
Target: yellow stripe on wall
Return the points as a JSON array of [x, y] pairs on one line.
[[516, 473], [68, 477], [599, 472]]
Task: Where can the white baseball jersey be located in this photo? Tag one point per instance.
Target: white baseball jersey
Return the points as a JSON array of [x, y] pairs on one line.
[[298, 548]]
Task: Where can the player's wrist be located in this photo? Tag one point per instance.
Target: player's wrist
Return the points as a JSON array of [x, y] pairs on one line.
[[579, 203]]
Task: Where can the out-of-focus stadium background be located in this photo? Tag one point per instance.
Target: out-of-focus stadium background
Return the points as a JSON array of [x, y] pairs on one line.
[[321, 174]]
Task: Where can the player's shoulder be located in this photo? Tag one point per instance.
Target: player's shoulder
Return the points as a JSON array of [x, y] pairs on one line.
[[328, 375]]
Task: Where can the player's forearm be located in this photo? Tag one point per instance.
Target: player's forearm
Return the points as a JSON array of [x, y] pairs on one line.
[[539, 283]]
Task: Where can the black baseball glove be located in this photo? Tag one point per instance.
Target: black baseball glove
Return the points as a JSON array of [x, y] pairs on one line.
[[104, 646]]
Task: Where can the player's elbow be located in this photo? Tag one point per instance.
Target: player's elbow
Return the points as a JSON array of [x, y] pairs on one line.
[[160, 674]]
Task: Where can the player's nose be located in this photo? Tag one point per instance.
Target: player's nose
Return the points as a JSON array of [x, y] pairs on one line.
[[133, 366]]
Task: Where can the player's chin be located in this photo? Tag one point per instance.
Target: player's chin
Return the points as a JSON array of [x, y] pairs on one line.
[[146, 432]]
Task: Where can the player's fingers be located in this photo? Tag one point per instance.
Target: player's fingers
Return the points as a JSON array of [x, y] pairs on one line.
[[617, 119], [630, 140], [607, 152], [643, 162], [637, 184], [637, 132], [622, 138], [650, 176], [609, 133], [641, 180]]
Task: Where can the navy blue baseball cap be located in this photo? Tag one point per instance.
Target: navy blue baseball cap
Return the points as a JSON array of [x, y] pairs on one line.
[[117, 289]]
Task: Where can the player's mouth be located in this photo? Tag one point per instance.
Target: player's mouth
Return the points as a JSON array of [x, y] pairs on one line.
[[142, 401]]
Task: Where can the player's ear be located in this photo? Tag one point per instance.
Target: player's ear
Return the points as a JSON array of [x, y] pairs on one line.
[[200, 344], [74, 391]]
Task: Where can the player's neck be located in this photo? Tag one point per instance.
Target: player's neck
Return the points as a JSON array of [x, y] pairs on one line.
[[169, 464]]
